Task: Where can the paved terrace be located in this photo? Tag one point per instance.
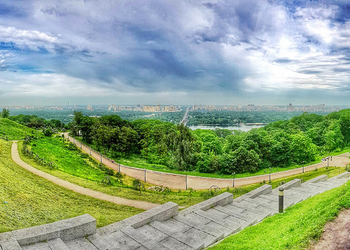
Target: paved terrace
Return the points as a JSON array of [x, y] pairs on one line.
[[164, 227]]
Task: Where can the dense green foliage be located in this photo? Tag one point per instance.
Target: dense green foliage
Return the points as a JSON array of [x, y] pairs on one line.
[[10, 130], [294, 229], [33, 121], [5, 113], [280, 144], [27, 200]]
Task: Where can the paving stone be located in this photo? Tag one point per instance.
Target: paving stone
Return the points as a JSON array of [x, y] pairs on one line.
[[249, 209], [211, 228], [181, 227], [201, 236], [152, 233], [37, 246], [186, 238], [142, 239], [80, 244], [10, 245], [231, 225], [173, 244], [141, 248], [102, 243], [268, 203], [249, 220], [264, 203], [57, 244], [305, 191], [321, 187], [228, 218], [121, 241], [197, 218], [257, 206], [270, 197]]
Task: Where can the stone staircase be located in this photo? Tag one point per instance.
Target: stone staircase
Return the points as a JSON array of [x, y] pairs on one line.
[[164, 227]]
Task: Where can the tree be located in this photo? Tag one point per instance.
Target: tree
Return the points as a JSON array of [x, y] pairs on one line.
[[5, 113], [246, 161]]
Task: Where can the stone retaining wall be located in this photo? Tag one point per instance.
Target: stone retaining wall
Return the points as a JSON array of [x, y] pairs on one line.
[[68, 229]]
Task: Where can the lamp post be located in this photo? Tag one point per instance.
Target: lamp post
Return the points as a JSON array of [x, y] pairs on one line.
[[269, 174]]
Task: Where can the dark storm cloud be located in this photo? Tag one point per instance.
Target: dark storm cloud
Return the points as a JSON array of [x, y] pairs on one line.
[[188, 48]]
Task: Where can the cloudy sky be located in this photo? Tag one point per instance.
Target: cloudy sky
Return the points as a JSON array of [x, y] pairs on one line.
[[174, 52]]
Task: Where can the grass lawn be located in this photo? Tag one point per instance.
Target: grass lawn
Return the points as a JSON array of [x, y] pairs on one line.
[[77, 167], [138, 162], [55, 149], [299, 226], [11, 130], [27, 200]]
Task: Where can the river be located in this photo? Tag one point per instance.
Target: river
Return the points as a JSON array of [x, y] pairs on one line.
[[242, 127]]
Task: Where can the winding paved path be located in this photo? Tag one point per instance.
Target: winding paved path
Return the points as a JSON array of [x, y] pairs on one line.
[[179, 181], [78, 189]]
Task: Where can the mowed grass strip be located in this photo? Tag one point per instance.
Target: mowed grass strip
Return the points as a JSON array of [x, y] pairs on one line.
[[27, 200], [78, 168], [14, 131], [299, 226]]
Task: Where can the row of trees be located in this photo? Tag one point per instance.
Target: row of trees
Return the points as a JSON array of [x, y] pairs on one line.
[[34, 121], [278, 144]]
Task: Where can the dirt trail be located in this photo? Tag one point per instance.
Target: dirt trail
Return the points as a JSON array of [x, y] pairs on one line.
[[336, 235], [78, 189]]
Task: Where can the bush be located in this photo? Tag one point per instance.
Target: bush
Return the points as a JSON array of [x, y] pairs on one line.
[[48, 132]]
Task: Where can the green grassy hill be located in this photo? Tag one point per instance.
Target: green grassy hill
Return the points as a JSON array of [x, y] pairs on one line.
[[28, 200], [11, 130], [297, 228]]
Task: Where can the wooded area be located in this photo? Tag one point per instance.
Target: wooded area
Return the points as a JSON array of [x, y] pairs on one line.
[[279, 144]]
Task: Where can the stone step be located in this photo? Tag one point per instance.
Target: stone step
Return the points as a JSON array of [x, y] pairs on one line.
[[249, 214], [57, 244], [211, 228], [322, 187], [248, 220], [342, 175], [10, 245], [173, 244], [269, 203], [258, 206], [271, 197], [142, 239], [80, 244], [292, 200], [227, 217], [37, 246], [121, 241], [101, 243], [152, 233], [231, 225], [192, 237], [304, 191], [248, 207], [265, 204]]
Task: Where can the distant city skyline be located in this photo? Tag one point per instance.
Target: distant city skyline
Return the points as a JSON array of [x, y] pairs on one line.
[[174, 52], [178, 108]]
